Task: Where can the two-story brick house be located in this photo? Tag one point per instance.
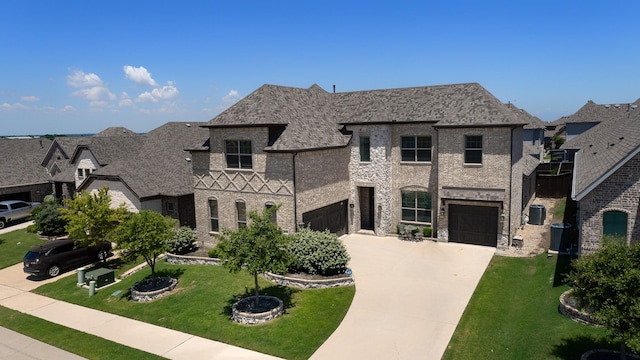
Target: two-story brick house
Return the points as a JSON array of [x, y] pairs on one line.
[[440, 156], [445, 157], [606, 177]]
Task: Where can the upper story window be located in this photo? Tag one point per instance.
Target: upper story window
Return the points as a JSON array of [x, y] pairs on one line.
[[241, 213], [416, 148], [80, 173], [365, 149], [473, 149], [238, 154], [213, 215]]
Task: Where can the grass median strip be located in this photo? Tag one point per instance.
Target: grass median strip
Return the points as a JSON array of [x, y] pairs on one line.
[[77, 342]]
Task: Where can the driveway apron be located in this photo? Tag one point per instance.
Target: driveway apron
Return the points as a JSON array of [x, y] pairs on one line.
[[409, 297]]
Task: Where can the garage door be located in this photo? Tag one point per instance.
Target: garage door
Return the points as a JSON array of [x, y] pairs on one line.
[[332, 217], [473, 224]]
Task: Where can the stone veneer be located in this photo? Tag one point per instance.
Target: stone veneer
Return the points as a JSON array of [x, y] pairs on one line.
[[619, 192]]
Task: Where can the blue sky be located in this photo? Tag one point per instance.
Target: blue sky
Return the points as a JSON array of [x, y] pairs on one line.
[[83, 66]]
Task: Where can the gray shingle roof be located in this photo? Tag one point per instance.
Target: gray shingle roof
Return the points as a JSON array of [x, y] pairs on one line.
[[531, 122], [592, 112], [116, 131], [308, 115], [603, 149], [313, 117], [107, 149], [160, 166], [449, 105], [20, 162]]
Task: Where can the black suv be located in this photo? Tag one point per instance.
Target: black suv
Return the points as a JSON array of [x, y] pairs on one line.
[[53, 257]]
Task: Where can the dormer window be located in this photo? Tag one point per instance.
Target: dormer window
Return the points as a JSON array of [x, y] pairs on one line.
[[238, 153]]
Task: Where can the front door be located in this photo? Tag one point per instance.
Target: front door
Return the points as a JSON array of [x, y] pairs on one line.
[[366, 195]]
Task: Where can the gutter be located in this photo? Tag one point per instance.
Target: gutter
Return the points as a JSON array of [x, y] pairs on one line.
[[295, 191]]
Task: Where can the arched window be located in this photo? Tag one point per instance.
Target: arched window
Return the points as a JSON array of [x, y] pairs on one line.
[[241, 213], [213, 215], [274, 215], [614, 224]]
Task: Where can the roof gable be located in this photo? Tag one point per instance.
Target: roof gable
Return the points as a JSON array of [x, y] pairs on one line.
[[21, 161]]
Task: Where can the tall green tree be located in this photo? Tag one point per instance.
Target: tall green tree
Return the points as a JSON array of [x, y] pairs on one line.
[[146, 234], [90, 218], [607, 282], [257, 248]]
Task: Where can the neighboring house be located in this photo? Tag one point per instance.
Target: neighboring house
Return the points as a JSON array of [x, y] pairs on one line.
[[150, 171], [591, 114], [606, 179], [447, 157], [21, 176]]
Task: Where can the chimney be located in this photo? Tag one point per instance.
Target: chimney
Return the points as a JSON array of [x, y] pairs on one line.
[[334, 89]]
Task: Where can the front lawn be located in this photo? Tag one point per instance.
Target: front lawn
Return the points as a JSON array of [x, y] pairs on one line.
[[77, 342], [201, 305], [14, 245], [513, 314]]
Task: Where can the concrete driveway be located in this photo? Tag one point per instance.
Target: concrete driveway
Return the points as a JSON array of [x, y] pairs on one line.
[[409, 298]]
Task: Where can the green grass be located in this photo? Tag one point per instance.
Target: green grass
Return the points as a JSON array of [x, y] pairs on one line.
[[14, 245], [559, 210], [513, 314], [77, 342], [201, 305]]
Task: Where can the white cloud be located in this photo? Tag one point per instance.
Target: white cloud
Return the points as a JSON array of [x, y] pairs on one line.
[[30, 98], [166, 92], [16, 106], [146, 97], [79, 79], [139, 75], [231, 97], [95, 93], [125, 100], [68, 108]]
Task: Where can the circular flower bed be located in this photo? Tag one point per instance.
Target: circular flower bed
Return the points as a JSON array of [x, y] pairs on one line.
[[151, 289], [569, 307], [603, 354], [246, 311]]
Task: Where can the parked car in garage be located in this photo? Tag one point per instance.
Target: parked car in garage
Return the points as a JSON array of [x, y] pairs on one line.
[[56, 256], [14, 210]]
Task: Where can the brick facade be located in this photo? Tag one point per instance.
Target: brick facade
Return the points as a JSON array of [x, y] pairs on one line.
[[619, 192]]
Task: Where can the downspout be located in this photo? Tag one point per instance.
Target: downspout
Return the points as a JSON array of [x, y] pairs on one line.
[[511, 193], [295, 198]]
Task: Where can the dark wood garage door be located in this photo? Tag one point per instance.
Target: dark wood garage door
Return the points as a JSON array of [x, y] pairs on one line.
[[332, 217], [473, 224]]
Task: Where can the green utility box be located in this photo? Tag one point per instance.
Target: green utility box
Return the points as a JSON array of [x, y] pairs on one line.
[[101, 276]]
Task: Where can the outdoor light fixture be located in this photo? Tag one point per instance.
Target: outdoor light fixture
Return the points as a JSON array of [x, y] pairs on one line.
[[442, 211]]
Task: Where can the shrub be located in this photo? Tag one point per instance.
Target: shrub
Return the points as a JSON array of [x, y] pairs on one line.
[[427, 231], [32, 228], [183, 241], [48, 219], [316, 252], [214, 252]]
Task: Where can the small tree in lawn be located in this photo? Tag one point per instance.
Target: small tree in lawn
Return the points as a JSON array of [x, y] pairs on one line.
[[90, 218], [607, 282], [257, 248], [146, 234]]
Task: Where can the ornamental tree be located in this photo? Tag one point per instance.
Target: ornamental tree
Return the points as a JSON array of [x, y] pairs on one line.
[[607, 282], [146, 234], [90, 218], [257, 248]]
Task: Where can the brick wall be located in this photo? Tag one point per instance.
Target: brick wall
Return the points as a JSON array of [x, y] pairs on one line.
[[619, 192]]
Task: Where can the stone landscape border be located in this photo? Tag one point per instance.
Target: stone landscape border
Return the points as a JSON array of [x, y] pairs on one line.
[[573, 313], [248, 318], [309, 283], [278, 279], [146, 296]]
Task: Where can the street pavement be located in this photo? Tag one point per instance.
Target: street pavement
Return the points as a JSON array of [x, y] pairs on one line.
[[409, 299]]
